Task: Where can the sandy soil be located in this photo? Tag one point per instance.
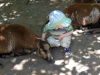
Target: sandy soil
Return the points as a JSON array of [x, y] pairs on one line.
[[85, 57]]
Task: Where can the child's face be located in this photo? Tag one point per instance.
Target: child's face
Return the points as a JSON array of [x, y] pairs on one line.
[[59, 27]]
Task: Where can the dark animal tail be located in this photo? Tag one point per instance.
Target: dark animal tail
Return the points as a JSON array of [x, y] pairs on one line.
[[1, 66]]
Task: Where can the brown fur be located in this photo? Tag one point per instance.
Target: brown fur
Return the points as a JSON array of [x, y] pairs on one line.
[[14, 38], [83, 13], [85, 1]]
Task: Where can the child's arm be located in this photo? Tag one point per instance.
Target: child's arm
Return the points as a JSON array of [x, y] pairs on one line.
[[43, 36], [44, 29], [65, 34]]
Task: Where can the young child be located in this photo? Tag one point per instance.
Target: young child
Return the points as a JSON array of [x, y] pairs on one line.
[[60, 29]]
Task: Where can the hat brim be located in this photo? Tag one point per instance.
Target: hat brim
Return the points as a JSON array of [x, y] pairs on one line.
[[67, 22], [64, 24]]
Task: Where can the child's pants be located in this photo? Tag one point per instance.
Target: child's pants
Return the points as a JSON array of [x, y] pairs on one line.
[[65, 42]]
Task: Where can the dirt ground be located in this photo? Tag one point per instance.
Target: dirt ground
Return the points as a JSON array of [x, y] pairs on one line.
[[85, 57]]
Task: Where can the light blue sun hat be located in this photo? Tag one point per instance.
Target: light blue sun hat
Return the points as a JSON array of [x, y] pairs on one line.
[[57, 17]]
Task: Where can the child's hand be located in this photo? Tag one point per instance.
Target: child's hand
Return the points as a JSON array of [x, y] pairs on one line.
[[42, 39], [60, 36]]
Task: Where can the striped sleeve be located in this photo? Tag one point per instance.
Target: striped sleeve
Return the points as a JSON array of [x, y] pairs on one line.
[[44, 29]]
